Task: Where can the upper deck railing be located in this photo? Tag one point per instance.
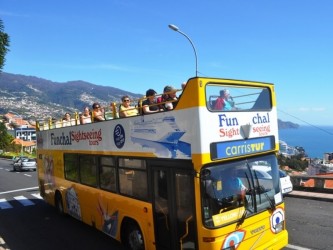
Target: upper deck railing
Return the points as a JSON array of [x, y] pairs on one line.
[[110, 112]]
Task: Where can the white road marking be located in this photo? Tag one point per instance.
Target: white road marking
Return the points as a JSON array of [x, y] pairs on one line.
[[4, 204], [24, 200], [18, 190], [297, 247], [37, 195]]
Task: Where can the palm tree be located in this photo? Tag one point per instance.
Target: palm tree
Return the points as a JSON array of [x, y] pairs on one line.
[[4, 44]]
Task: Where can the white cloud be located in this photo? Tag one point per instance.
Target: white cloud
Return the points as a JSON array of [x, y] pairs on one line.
[[312, 109]]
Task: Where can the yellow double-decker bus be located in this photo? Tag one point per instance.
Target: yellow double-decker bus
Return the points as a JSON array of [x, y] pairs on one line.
[[201, 176]]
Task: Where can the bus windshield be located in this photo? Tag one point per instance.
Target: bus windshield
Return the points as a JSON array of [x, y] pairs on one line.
[[236, 190], [233, 98]]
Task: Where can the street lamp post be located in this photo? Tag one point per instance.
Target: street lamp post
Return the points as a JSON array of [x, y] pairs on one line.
[[21, 137], [175, 28], [18, 115]]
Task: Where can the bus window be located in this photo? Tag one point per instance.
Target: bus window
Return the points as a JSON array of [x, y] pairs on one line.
[[245, 185], [237, 98], [133, 178], [88, 170], [107, 174], [71, 167]]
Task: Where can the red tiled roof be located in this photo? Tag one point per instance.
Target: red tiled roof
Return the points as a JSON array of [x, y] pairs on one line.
[[24, 143], [18, 120]]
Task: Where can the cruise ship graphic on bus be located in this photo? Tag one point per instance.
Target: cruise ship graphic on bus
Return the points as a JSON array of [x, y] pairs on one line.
[[163, 130]]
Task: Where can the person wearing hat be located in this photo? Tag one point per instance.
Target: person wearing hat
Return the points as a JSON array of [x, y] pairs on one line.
[[150, 105]]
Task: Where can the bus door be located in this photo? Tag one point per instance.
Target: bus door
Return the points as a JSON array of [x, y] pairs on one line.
[[173, 205]]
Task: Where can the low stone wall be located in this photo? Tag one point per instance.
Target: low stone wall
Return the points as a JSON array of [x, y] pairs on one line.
[[322, 183]]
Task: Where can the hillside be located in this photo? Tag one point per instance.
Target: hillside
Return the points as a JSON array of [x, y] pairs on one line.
[[38, 98], [286, 125]]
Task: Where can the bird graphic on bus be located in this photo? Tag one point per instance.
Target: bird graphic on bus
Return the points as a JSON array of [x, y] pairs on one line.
[[109, 222]]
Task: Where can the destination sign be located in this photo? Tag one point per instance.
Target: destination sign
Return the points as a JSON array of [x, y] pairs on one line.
[[228, 149]]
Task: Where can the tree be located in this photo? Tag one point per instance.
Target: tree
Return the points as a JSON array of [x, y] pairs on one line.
[[4, 44], [5, 138], [295, 162]]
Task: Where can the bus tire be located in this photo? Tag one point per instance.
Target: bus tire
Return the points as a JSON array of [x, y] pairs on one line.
[[133, 237], [58, 203]]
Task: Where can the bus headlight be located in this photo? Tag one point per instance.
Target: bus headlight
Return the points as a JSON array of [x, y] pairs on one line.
[[279, 227]]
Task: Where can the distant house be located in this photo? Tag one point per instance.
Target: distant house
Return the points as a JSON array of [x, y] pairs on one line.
[[20, 128], [28, 146]]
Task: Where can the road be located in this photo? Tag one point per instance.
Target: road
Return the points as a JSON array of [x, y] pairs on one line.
[[26, 222], [309, 223]]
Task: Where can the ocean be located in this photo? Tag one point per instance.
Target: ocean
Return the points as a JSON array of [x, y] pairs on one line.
[[316, 140]]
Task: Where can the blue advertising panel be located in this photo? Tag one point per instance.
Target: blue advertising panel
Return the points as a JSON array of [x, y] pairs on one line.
[[222, 150]]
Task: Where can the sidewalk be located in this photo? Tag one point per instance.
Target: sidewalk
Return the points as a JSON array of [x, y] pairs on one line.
[[311, 195]]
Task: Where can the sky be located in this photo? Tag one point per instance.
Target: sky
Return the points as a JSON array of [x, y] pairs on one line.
[[127, 44]]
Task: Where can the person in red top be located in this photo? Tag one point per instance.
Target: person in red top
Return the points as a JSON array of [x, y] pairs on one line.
[[224, 102]]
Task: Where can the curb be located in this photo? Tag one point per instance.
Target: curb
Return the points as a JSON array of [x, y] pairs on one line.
[[311, 196]]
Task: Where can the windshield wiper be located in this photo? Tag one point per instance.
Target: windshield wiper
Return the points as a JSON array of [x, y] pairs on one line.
[[241, 219], [251, 190], [271, 202], [257, 186], [260, 189]]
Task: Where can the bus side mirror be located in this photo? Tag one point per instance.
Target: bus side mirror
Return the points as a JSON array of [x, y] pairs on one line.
[[205, 174]]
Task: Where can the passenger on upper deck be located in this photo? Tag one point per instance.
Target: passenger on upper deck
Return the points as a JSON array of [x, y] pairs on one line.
[[149, 105], [97, 114], [125, 109], [183, 85], [85, 116], [168, 99], [66, 120], [224, 101]]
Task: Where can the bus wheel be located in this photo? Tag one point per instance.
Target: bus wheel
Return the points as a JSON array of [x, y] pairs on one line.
[[134, 238], [58, 203]]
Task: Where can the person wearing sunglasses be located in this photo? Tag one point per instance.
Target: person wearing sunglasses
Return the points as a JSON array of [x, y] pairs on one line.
[[125, 108], [97, 113]]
